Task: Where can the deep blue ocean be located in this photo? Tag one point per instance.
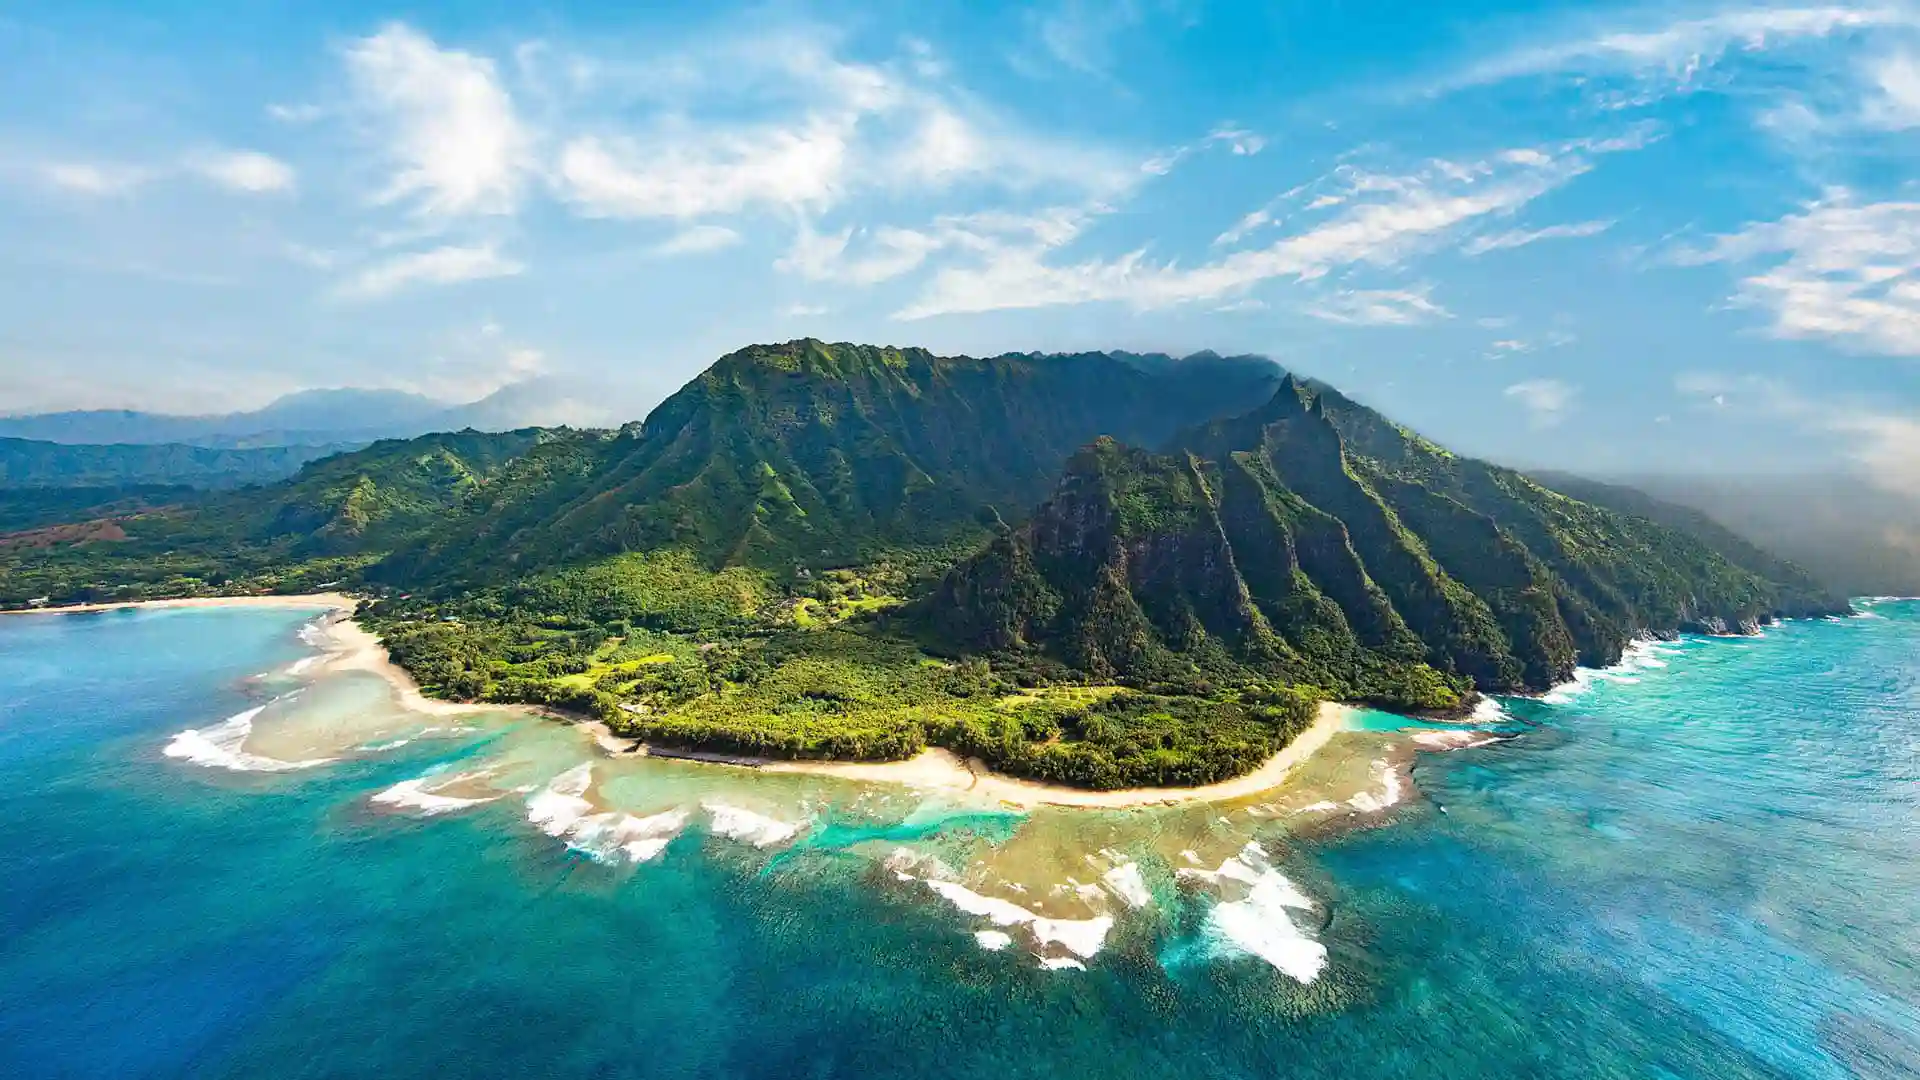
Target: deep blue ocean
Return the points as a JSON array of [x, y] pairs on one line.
[[1704, 864]]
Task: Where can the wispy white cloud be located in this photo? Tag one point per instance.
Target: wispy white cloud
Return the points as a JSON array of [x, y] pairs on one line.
[[1513, 238], [447, 124], [1241, 306], [1378, 307], [1513, 346], [296, 113], [1678, 51], [698, 240], [1388, 220], [824, 129], [87, 178], [1242, 142], [692, 173], [886, 253], [1838, 269], [1894, 101], [1547, 401], [245, 171], [1080, 35], [870, 256], [439, 266]]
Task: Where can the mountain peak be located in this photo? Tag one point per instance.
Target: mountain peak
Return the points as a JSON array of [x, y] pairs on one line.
[[832, 362]]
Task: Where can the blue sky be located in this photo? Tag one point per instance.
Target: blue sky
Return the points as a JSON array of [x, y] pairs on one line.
[[1617, 237]]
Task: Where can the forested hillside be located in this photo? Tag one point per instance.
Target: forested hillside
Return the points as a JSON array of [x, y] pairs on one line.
[[809, 455], [29, 463], [1314, 541], [1104, 569]]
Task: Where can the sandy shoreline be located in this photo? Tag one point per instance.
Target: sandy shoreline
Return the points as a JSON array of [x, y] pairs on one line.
[[352, 647], [321, 601], [348, 645], [938, 769]]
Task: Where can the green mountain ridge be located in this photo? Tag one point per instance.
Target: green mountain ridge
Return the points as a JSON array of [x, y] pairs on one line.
[[808, 454], [1100, 569], [1313, 540]]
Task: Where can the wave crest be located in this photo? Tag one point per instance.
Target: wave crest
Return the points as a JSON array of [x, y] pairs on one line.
[[223, 746]]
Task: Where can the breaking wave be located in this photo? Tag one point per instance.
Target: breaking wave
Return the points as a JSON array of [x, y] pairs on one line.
[[1260, 924], [223, 746], [1392, 790], [417, 795], [1642, 654], [747, 826], [561, 810]]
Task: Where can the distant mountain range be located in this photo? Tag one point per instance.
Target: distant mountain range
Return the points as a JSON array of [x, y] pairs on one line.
[[321, 418], [33, 463]]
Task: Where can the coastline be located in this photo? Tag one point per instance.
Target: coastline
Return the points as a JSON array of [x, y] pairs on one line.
[[352, 647], [943, 770], [320, 601], [348, 646]]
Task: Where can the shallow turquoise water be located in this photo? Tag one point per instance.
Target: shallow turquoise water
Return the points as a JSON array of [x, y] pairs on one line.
[[1712, 870]]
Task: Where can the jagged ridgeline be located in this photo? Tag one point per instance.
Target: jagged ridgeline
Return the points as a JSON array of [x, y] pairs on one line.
[[807, 454], [1313, 539], [1217, 525]]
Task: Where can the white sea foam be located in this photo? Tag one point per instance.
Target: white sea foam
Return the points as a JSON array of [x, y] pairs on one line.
[[556, 808], [1061, 963], [1392, 789], [993, 940], [1085, 890], [383, 747], [905, 862], [1126, 883], [613, 836], [561, 809], [1454, 740], [1083, 937], [416, 794], [747, 826], [1259, 924], [1641, 654], [1489, 711], [222, 746], [1323, 804], [1238, 868], [302, 664], [1875, 601]]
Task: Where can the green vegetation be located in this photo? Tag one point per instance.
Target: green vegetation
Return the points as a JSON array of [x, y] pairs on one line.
[[30, 463], [22, 509], [806, 553]]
